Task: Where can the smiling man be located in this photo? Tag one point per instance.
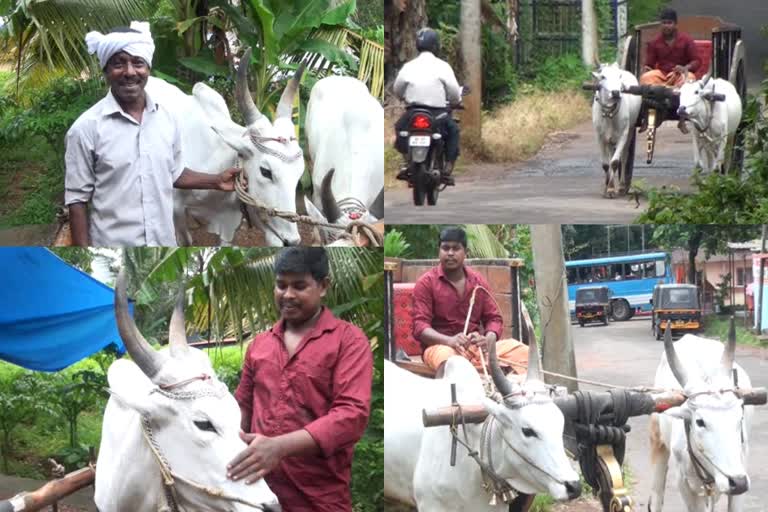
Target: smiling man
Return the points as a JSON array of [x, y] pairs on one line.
[[123, 155], [441, 300], [305, 393]]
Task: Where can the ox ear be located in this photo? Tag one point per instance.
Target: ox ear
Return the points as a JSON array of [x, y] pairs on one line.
[[682, 413], [596, 75], [233, 137], [131, 388]]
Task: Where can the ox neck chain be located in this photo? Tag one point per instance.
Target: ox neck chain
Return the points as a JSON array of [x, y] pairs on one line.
[[608, 111]]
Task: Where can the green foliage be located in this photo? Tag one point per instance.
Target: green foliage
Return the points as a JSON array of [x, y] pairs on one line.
[[80, 257], [559, 73], [723, 290], [375, 34], [728, 199], [369, 13], [18, 405], [395, 245], [500, 81], [716, 327], [645, 11], [32, 135]]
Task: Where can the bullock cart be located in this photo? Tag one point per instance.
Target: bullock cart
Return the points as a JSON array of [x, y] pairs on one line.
[[595, 422], [722, 53]]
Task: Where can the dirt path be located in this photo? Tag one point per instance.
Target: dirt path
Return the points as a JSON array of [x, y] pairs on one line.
[[562, 183]]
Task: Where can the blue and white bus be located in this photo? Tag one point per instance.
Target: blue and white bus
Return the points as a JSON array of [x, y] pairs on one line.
[[631, 278]]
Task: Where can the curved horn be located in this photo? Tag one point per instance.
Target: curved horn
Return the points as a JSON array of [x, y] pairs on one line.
[[729, 350], [501, 382], [331, 209], [285, 107], [377, 206], [534, 363], [140, 350], [706, 78], [243, 96], [177, 333], [674, 362]]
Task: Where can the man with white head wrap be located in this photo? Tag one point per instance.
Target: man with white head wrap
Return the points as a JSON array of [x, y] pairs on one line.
[[123, 155]]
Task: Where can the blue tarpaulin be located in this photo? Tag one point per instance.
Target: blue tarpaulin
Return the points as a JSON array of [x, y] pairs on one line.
[[51, 314]]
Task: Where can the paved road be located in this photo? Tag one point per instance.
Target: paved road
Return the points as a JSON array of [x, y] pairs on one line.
[[751, 15], [624, 353], [562, 183]]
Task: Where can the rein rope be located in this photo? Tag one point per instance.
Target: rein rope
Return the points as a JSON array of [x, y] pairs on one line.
[[169, 477]]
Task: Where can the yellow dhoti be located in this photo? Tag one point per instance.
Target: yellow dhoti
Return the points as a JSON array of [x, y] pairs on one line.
[[511, 353]]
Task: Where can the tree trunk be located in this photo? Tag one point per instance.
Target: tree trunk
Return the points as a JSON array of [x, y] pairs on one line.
[[693, 249], [589, 53], [472, 62], [552, 296], [402, 19]]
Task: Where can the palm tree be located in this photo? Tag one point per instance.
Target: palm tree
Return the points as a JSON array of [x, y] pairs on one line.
[[46, 36], [230, 290]]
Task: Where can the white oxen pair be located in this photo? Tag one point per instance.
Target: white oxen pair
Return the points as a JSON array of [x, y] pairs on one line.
[[345, 127], [524, 437], [211, 142], [614, 116], [708, 434], [713, 107], [169, 416]]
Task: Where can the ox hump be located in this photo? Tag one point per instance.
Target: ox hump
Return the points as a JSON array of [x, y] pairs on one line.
[[211, 101]]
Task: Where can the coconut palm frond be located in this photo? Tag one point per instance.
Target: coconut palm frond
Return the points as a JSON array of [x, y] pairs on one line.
[[483, 242]]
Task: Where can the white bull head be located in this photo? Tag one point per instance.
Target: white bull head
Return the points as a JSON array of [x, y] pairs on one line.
[[270, 154], [169, 409], [609, 78], [534, 459], [696, 98], [714, 419]]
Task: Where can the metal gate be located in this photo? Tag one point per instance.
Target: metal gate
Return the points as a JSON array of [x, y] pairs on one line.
[[551, 28]]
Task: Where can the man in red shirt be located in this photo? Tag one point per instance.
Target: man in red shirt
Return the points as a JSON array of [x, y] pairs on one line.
[[441, 303], [671, 58], [305, 393]]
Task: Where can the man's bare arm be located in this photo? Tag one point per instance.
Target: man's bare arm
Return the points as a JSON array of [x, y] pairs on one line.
[[78, 222]]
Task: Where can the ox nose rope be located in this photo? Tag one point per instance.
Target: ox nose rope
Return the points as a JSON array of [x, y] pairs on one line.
[[356, 228], [169, 477]]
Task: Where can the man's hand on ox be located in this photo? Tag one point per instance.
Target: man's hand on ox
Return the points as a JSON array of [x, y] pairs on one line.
[[479, 340], [227, 179], [262, 456]]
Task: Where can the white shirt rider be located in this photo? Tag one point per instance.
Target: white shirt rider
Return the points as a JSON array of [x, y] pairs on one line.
[[429, 81]]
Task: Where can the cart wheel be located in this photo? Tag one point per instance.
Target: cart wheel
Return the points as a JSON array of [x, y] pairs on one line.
[[629, 165]]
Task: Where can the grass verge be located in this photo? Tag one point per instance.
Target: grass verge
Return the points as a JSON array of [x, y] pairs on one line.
[[716, 327], [517, 130]]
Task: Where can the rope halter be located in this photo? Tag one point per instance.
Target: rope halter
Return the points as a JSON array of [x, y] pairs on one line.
[[169, 477]]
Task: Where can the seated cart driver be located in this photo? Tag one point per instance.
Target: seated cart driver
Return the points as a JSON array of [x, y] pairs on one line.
[[441, 303]]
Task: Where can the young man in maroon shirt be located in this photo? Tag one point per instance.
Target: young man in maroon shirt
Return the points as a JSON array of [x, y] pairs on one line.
[[671, 58], [440, 306], [305, 393]]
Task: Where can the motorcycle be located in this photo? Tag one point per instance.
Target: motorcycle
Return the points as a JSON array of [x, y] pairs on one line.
[[426, 150]]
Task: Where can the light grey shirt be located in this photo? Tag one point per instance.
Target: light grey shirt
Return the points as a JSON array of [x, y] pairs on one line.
[[427, 80], [125, 170]]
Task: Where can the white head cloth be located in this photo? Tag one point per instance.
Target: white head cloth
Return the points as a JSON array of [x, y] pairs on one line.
[[136, 44]]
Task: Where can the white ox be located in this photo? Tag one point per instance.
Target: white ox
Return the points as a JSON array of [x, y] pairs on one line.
[[211, 142], [526, 439], [711, 456], [344, 128], [192, 424], [614, 115], [713, 107]]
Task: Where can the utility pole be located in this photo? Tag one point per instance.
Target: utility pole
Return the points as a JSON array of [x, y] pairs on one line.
[[588, 33], [471, 60], [552, 298], [759, 305]]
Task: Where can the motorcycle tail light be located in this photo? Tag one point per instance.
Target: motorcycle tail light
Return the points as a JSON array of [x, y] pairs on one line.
[[421, 122]]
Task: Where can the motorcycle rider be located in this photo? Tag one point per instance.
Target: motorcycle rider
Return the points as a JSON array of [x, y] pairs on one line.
[[430, 82]]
